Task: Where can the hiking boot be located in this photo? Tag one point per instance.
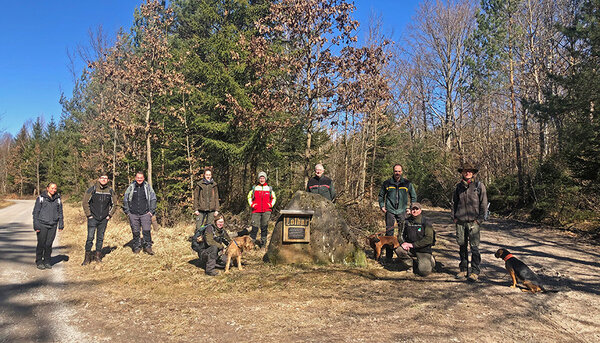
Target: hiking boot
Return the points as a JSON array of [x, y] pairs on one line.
[[41, 266], [148, 250], [99, 256], [47, 265], [87, 258], [473, 277], [461, 275], [137, 250]]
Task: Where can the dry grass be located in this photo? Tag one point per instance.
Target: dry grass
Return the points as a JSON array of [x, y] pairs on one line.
[[176, 292], [5, 203]]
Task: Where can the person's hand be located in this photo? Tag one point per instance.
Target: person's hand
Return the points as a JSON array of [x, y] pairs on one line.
[[37, 231], [406, 246], [408, 211], [60, 230], [455, 220], [107, 217], [91, 217], [151, 215], [197, 213], [383, 210]]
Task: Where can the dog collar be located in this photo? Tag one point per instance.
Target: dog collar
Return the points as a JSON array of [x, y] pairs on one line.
[[507, 257]]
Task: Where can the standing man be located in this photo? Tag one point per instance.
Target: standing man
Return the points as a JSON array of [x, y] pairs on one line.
[[321, 184], [417, 239], [99, 206], [469, 206], [139, 203], [261, 199], [47, 217], [393, 201], [206, 199]]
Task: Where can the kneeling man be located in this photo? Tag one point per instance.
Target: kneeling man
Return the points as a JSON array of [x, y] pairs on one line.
[[417, 239]]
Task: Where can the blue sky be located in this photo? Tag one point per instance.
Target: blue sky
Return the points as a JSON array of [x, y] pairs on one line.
[[36, 35]]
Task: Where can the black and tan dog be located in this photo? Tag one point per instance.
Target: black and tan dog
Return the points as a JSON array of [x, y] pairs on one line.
[[519, 270], [378, 241]]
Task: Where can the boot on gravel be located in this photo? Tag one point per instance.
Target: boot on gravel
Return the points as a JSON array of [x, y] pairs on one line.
[[87, 259], [99, 256]]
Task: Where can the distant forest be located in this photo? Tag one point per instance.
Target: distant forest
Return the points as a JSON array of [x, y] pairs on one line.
[[510, 86]]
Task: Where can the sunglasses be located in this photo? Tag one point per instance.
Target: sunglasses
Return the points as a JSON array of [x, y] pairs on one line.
[[415, 209]]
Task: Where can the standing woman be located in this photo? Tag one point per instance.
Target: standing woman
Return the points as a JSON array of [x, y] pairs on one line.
[[47, 217], [206, 200]]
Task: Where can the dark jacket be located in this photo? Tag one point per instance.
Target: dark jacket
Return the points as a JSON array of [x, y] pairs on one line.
[[418, 232], [206, 196], [322, 185], [469, 202], [213, 236], [148, 194], [48, 212], [99, 201], [394, 195]]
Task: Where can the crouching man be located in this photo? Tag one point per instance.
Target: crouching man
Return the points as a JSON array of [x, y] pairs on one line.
[[215, 242], [417, 239]]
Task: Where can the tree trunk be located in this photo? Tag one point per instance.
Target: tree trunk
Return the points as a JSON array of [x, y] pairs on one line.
[[515, 121], [148, 143]]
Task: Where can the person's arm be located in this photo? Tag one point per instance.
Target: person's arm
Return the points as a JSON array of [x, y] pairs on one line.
[[454, 206], [85, 202], [381, 198], [273, 197], [113, 203], [483, 202], [412, 193], [36, 214], [217, 199], [126, 200], [250, 197], [61, 222], [152, 202], [196, 200]]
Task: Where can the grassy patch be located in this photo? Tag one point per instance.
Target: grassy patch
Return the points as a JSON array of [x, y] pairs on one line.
[[5, 203]]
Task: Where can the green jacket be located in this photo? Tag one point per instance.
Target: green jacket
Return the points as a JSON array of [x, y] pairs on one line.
[[206, 196], [393, 195]]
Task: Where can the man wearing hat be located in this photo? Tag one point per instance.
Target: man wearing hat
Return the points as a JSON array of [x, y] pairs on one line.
[[261, 199], [416, 239], [469, 206]]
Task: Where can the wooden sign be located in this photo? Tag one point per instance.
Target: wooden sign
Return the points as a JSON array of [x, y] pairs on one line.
[[296, 226]]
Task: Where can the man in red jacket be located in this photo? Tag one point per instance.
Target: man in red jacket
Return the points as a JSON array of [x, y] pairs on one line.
[[261, 199]]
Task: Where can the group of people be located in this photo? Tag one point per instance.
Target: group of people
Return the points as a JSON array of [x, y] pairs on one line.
[[397, 200]]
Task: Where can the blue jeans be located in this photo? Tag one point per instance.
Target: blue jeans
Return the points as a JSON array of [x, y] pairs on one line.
[[95, 226]]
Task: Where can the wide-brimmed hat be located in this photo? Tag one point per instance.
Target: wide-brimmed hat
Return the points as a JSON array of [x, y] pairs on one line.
[[468, 166]]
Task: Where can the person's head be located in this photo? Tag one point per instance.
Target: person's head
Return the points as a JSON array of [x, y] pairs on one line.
[[208, 174], [139, 177], [415, 209], [219, 221], [397, 171], [51, 188], [467, 171], [262, 177], [103, 179], [319, 170]]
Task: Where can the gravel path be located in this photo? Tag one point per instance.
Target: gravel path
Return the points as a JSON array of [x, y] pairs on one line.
[[31, 309]]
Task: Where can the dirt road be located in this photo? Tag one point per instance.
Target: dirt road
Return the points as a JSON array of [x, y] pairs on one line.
[[31, 309]]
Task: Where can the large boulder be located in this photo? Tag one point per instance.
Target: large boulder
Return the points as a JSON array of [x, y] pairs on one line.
[[330, 239]]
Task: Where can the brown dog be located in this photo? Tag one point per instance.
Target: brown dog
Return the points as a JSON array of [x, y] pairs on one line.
[[378, 241], [519, 271], [235, 249]]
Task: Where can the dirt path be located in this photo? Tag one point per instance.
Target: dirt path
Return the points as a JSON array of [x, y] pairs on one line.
[[31, 309]]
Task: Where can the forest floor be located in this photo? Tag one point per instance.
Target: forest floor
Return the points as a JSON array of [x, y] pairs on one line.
[[167, 297]]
